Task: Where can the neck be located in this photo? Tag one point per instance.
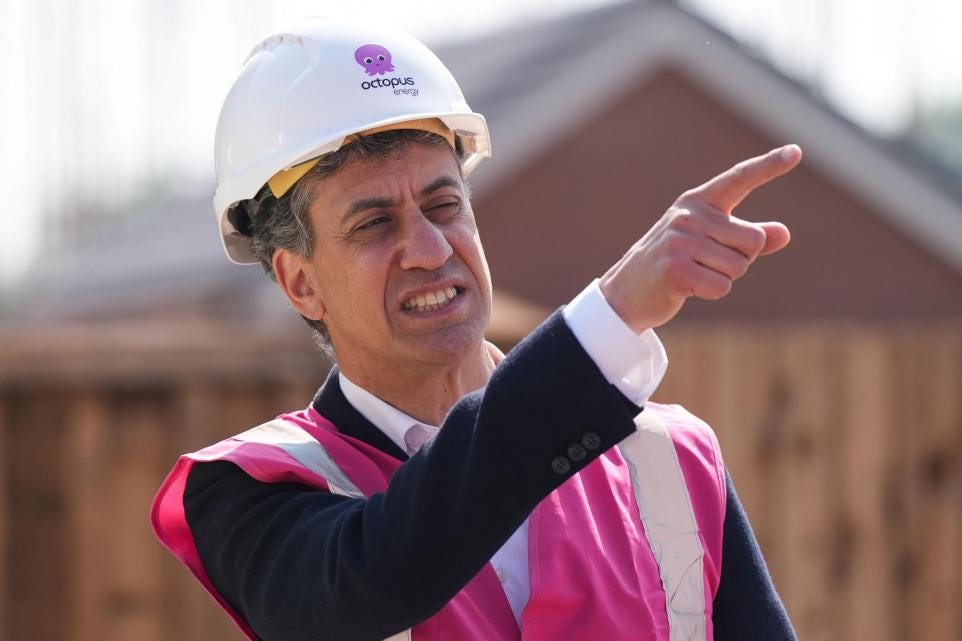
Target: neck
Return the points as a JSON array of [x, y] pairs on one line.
[[428, 392]]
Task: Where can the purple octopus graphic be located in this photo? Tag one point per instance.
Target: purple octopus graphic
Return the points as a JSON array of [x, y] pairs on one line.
[[374, 58]]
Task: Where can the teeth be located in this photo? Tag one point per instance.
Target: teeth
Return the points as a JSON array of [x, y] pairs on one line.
[[430, 301]]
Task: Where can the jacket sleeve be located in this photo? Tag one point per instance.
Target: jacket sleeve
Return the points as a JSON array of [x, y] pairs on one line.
[[746, 606], [299, 563]]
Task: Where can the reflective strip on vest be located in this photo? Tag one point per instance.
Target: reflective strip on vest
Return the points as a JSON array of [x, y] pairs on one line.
[[670, 525], [306, 450], [309, 452]]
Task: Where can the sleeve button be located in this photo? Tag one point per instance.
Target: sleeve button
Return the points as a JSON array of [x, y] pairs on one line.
[[560, 465], [577, 453], [591, 441]]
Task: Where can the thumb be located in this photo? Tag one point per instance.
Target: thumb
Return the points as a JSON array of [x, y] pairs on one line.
[[777, 237]]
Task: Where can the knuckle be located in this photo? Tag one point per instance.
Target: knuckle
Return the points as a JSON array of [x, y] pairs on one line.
[[740, 268], [677, 242], [746, 238], [716, 288], [738, 171], [756, 239], [680, 218]]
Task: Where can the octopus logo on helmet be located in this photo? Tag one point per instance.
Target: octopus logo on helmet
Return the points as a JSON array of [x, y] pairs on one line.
[[375, 59]]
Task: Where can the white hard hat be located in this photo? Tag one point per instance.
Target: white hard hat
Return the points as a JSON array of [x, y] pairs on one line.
[[303, 92]]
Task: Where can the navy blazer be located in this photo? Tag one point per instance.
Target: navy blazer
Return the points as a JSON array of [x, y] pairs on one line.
[[301, 564]]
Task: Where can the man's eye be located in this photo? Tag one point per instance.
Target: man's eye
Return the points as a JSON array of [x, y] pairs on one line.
[[373, 222], [442, 208]]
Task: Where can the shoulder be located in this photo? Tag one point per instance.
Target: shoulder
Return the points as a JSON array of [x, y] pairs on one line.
[[207, 476], [223, 483], [694, 439], [676, 416], [680, 423]]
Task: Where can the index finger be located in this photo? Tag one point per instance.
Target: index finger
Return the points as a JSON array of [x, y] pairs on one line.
[[726, 190]]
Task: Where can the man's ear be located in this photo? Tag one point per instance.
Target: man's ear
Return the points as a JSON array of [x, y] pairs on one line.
[[298, 281]]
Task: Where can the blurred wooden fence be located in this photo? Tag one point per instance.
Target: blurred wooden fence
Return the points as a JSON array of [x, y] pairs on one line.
[[845, 443]]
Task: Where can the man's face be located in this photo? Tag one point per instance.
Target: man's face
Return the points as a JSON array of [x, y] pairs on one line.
[[393, 235]]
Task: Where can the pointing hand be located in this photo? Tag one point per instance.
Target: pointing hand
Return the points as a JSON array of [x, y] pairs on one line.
[[697, 248]]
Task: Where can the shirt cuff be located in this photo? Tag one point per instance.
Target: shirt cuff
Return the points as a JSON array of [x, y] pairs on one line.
[[633, 363]]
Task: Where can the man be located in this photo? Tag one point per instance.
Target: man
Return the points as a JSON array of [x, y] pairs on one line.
[[435, 488]]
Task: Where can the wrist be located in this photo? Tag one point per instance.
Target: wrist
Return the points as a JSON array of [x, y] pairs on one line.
[[617, 299]]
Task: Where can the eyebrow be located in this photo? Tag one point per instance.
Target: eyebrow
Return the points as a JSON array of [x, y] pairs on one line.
[[385, 203]]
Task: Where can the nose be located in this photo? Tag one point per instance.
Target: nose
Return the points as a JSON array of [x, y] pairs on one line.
[[425, 245]]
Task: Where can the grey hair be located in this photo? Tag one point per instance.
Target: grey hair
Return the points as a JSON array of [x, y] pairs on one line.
[[284, 223]]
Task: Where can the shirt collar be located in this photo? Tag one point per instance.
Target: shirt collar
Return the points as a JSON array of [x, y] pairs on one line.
[[393, 422]]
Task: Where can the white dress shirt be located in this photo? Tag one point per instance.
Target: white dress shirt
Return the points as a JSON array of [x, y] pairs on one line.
[[633, 363]]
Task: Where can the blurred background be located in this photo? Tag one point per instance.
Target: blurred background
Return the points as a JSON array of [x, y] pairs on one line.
[[832, 373]]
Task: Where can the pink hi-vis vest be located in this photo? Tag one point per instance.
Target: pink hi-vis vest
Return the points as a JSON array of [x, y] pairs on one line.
[[628, 548]]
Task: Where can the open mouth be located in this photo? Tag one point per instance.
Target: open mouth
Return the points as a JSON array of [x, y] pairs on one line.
[[432, 300]]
